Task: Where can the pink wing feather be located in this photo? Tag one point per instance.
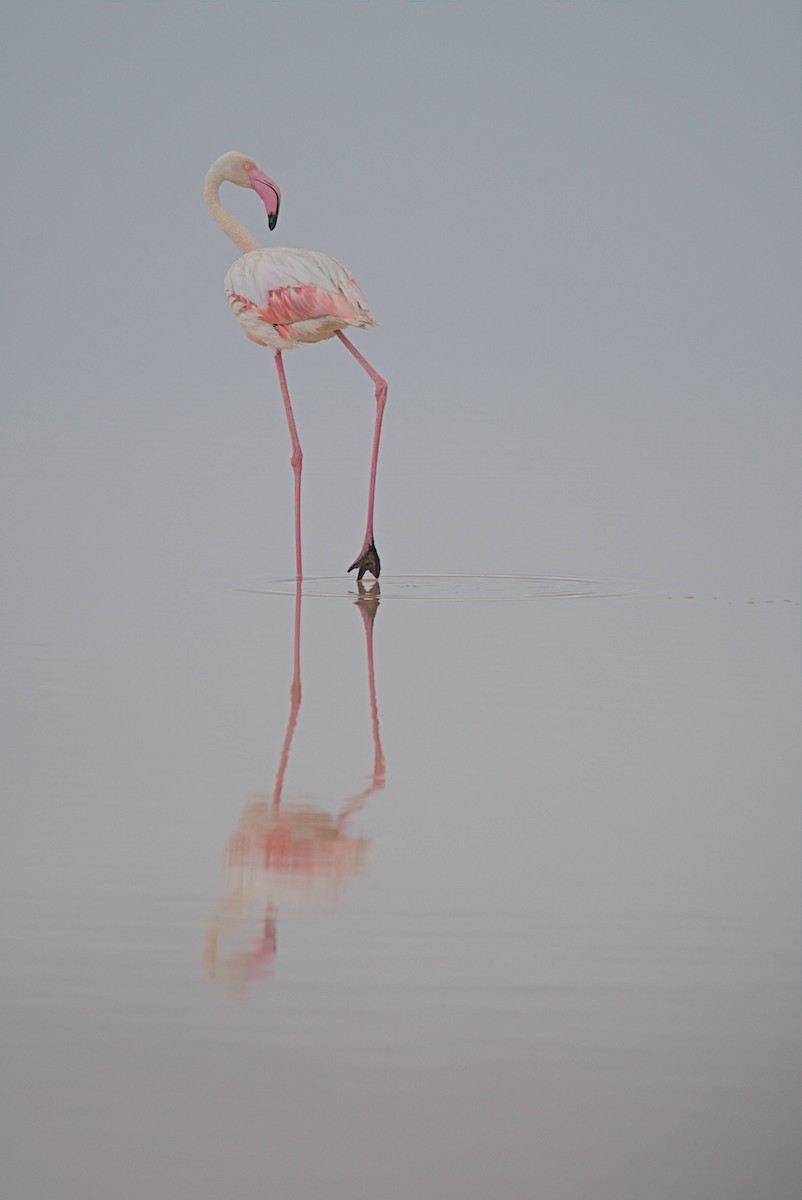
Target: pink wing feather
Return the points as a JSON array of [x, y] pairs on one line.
[[282, 287]]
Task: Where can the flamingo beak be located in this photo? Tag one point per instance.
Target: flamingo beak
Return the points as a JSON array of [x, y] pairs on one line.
[[269, 192]]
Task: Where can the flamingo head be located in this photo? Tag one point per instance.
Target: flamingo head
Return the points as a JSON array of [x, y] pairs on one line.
[[239, 169]]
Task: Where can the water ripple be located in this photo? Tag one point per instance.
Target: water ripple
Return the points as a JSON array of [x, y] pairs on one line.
[[479, 587]]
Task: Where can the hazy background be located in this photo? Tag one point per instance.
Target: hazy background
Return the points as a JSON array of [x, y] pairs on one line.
[[577, 223], [570, 965]]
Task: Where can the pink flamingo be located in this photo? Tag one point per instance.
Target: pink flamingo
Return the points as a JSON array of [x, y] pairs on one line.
[[285, 298]]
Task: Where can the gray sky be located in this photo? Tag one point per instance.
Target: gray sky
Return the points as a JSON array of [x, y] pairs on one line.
[[577, 224]]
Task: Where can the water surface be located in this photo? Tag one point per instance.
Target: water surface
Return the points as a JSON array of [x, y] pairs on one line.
[[343, 894]]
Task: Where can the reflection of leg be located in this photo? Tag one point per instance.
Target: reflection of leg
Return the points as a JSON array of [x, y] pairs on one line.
[[368, 603], [378, 754], [368, 558], [295, 698], [296, 461]]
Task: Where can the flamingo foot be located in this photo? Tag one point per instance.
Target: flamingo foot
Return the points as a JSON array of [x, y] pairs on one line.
[[368, 561]]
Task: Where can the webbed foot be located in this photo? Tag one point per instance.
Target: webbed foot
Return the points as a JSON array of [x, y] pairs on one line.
[[368, 561]]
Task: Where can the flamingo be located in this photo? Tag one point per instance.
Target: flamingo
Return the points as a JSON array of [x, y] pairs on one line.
[[285, 298]]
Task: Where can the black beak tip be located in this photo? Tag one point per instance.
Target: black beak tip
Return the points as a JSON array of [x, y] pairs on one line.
[[271, 220]]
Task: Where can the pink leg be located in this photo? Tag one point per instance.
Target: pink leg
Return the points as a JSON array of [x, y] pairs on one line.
[[296, 461], [368, 558]]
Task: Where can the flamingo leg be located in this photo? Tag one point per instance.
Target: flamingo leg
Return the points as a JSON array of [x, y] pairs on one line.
[[296, 460], [368, 557]]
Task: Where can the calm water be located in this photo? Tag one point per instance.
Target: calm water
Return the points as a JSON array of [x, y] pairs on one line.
[[472, 886]]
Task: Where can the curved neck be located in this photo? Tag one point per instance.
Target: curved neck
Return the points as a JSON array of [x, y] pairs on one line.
[[242, 239]]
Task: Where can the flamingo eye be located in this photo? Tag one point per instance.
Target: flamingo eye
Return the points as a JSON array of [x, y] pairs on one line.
[[247, 166]]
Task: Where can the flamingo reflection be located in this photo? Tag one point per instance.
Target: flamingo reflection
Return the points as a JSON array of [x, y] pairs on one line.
[[284, 854]]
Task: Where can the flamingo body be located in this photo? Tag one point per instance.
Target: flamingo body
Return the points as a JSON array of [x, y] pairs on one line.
[[284, 298]]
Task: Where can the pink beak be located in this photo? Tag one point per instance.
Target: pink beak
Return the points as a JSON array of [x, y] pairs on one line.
[[269, 192]]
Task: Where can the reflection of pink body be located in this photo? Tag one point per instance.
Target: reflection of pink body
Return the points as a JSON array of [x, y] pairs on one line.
[[284, 298], [334, 856], [293, 840]]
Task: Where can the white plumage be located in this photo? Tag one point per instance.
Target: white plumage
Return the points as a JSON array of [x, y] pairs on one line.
[[285, 297]]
